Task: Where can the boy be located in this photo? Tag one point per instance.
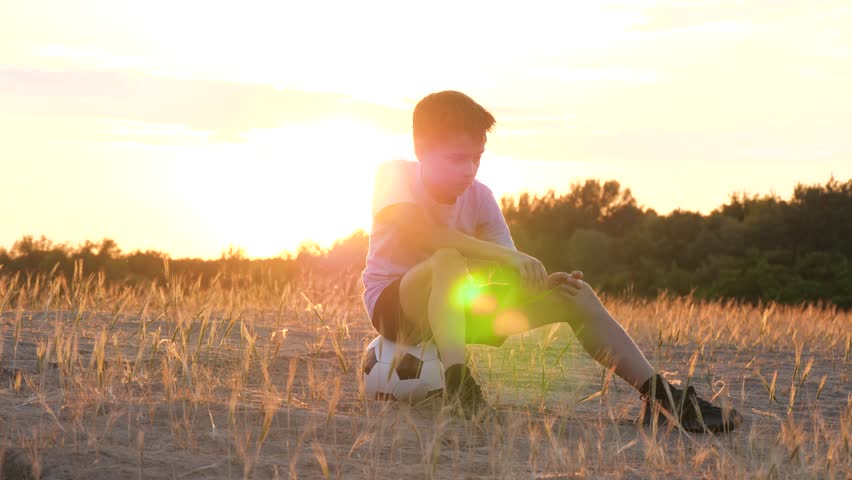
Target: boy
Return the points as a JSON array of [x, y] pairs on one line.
[[436, 230]]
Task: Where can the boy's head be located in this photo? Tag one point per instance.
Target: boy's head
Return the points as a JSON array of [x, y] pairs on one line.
[[449, 138]]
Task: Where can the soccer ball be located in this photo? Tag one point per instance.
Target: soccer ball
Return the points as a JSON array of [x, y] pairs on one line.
[[408, 373]]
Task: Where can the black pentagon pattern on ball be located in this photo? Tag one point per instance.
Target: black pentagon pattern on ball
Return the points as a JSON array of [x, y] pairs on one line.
[[409, 367], [370, 361]]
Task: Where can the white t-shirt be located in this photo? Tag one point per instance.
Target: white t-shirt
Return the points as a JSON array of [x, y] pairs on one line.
[[475, 213]]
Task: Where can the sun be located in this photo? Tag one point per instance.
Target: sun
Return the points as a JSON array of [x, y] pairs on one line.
[[284, 186]]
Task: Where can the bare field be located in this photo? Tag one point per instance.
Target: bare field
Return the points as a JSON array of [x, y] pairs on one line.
[[263, 381]]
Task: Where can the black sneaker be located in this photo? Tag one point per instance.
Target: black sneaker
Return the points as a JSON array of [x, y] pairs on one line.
[[692, 412], [463, 393]]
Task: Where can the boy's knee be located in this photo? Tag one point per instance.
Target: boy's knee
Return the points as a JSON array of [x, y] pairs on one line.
[[448, 260]]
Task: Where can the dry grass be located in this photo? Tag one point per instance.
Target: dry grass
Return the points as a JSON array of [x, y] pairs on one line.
[[180, 381]]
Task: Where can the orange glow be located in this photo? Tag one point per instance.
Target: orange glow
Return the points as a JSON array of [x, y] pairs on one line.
[[286, 185], [484, 304], [510, 322]]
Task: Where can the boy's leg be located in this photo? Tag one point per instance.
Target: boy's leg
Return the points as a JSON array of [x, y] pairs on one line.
[[598, 332], [425, 295], [610, 345], [428, 296]]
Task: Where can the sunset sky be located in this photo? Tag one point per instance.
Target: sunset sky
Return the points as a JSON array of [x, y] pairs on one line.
[[187, 127]]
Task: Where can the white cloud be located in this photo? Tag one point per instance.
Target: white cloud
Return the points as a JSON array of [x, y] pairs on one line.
[[225, 108]]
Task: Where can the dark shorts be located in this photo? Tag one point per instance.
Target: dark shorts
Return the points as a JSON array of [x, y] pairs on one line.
[[480, 306]]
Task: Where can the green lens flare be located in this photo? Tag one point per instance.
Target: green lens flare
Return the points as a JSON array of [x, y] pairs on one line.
[[464, 291]]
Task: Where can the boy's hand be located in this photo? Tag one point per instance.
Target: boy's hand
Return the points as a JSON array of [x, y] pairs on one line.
[[532, 271], [568, 283]]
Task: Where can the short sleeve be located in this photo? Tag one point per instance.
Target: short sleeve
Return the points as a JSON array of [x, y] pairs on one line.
[[491, 225], [392, 186]]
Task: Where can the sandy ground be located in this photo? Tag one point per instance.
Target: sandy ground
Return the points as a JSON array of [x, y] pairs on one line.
[[66, 422]]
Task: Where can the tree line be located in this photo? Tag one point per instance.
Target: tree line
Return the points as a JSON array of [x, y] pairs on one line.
[[752, 248]]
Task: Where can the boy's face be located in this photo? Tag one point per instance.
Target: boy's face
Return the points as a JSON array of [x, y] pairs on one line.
[[450, 165]]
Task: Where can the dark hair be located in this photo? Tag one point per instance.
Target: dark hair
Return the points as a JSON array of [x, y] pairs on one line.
[[442, 114]]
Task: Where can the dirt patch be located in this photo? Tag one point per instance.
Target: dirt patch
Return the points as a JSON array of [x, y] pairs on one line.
[[231, 383]]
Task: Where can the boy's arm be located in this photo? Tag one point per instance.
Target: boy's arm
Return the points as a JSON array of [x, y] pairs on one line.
[[394, 204], [492, 225], [419, 231]]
